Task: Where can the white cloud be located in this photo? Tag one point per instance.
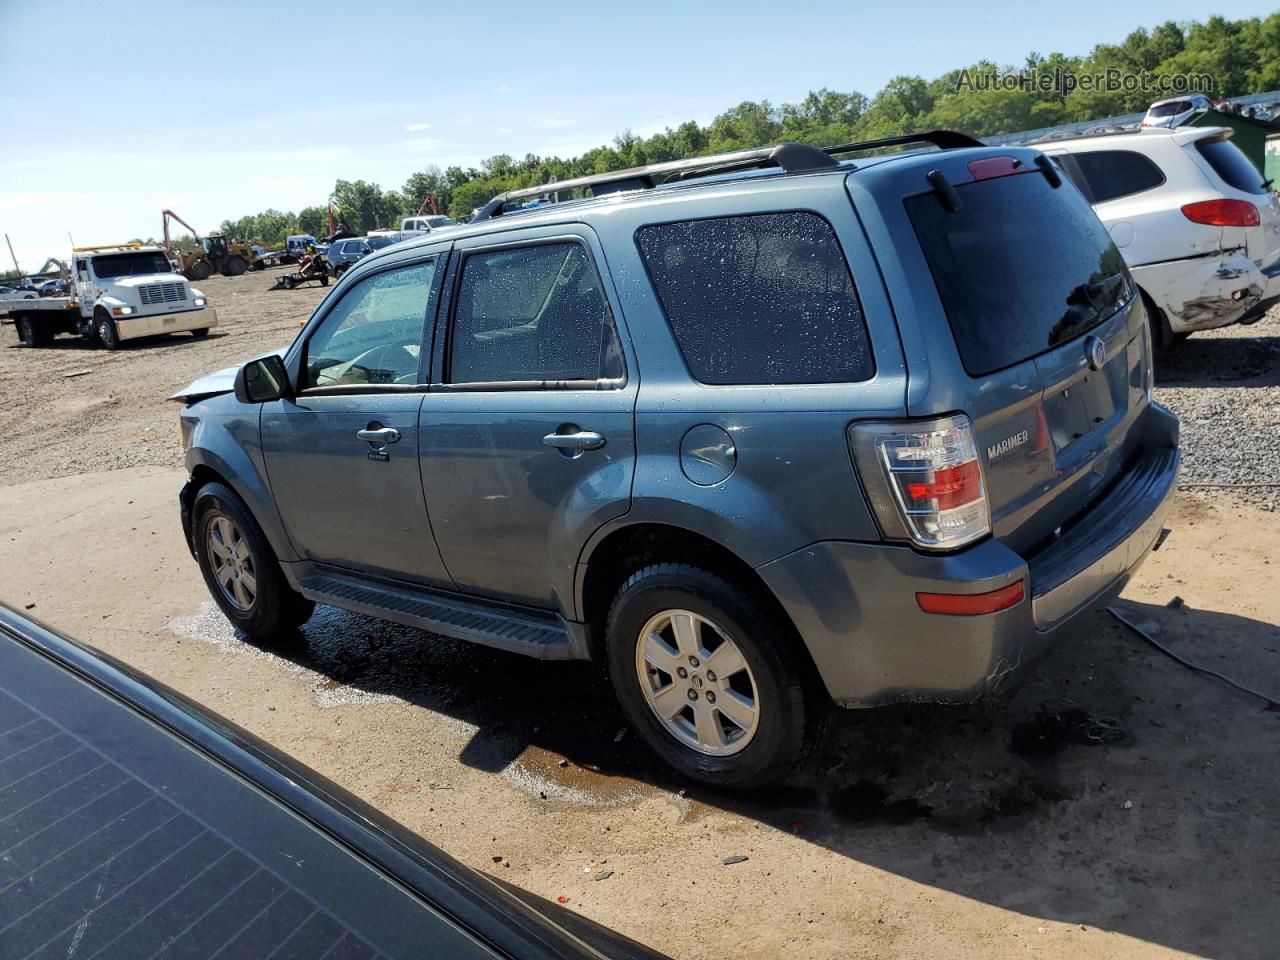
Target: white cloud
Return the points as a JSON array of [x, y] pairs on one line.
[[558, 123], [416, 127], [503, 89]]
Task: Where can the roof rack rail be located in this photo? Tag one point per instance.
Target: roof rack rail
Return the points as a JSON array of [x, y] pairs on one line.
[[942, 139], [791, 157]]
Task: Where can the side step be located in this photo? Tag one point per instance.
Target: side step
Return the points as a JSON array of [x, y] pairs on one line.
[[508, 628]]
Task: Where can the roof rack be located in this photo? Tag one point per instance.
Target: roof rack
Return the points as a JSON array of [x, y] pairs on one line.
[[791, 157], [132, 245]]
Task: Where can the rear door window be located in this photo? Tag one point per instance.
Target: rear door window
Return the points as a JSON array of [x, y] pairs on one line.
[[532, 314], [1231, 165], [1111, 174], [759, 299], [1020, 267]]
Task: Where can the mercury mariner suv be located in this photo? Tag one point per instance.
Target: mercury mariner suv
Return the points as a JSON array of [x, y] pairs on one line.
[[761, 433]]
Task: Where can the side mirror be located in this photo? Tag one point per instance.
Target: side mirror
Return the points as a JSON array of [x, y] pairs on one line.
[[262, 380]]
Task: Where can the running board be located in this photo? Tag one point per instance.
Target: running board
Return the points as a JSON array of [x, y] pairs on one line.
[[519, 631]]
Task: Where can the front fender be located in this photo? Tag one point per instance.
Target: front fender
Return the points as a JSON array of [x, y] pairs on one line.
[[230, 445]]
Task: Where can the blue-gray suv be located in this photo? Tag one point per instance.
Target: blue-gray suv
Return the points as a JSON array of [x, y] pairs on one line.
[[761, 433]]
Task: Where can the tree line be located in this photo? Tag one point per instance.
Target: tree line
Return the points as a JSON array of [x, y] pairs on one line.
[[1242, 56]]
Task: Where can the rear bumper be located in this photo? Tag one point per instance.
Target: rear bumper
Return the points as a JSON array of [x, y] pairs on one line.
[[854, 603], [1201, 293], [130, 328]]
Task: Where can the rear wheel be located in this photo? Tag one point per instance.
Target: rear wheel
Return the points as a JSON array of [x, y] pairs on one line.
[[241, 570], [711, 678], [236, 265], [324, 279], [31, 333]]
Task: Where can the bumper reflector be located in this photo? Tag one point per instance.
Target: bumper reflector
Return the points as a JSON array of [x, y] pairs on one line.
[[971, 604]]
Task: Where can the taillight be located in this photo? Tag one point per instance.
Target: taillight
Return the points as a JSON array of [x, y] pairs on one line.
[[1222, 213], [924, 480]]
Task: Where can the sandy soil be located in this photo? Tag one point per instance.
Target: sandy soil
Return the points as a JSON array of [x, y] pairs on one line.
[[1117, 805]]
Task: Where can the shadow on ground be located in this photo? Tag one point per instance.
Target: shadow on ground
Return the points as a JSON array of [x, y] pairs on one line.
[[1114, 789], [74, 344], [1212, 362]]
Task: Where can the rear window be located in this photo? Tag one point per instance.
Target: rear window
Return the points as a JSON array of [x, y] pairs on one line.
[[1020, 267], [759, 299], [1111, 174], [1231, 165], [1169, 109]]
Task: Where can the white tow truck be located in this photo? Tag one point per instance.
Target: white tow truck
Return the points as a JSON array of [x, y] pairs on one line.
[[118, 292]]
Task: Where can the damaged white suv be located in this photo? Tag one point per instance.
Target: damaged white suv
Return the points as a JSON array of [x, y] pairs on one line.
[[1194, 219]]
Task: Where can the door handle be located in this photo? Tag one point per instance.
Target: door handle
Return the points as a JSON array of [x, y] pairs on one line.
[[382, 435], [581, 440]]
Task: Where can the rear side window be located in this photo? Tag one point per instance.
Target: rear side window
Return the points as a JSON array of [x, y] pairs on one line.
[[533, 313], [759, 299], [1110, 174], [1231, 165], [1020, 267]]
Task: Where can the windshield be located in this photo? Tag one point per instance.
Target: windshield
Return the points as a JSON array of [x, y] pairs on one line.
[[377, 243], [1169, 109], [1020, 267], [130, 265], [439, 222]]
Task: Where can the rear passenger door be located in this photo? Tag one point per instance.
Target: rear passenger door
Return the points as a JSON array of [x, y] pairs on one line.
[[527, 438]]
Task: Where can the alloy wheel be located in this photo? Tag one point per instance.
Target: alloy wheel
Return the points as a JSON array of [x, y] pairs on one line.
[[697, 682], [231, 561]]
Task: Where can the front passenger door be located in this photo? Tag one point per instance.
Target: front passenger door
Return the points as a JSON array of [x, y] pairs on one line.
[[342, 454]]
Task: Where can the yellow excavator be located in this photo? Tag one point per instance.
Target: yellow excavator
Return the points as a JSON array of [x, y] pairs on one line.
[[217, 254]]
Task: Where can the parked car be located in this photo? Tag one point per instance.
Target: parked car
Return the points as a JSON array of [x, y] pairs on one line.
[[17, 293], [1175, 111], [425, 224], [780, 433], [342, 254], [137, 822], [1197, 226], [382, 239]]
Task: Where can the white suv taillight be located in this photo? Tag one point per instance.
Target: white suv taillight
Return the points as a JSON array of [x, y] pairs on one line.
[[924, 480]]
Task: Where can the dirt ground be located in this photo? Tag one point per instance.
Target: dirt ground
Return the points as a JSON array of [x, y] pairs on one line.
[[1117, 805]]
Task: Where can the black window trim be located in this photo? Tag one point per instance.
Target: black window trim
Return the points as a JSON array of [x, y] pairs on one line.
[[1088, 189], [428, 333], [853, 283], [448, 314]]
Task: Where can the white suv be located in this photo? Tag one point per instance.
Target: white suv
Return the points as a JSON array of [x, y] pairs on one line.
[[1196, 223]]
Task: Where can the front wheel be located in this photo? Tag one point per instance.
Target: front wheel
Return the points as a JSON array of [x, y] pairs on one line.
[[200, 332], [104, 328], [31, 333], [712, 678], [241, 570]]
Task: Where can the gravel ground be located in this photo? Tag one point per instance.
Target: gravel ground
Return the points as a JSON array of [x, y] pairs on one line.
[[1225, 387]]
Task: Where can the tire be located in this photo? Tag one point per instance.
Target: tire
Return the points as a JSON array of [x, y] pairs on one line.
[[244, 576], [324, 279], [789, 712], [200, 332], [105, 332], [236, 265], [200, 270], [31, 334]]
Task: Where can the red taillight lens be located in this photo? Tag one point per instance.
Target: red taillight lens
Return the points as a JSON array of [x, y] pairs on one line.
[[971, 604], [1222, 213], [950, 487], [924, 480]]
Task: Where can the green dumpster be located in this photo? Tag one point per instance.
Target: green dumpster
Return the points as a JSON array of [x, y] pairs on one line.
[[1272, 170]]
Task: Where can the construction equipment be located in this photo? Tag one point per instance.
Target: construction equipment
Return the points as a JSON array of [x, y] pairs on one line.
[[310, 267], [216, 254]]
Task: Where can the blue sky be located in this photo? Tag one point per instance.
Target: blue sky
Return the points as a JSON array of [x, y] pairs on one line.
[[117, 110]]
